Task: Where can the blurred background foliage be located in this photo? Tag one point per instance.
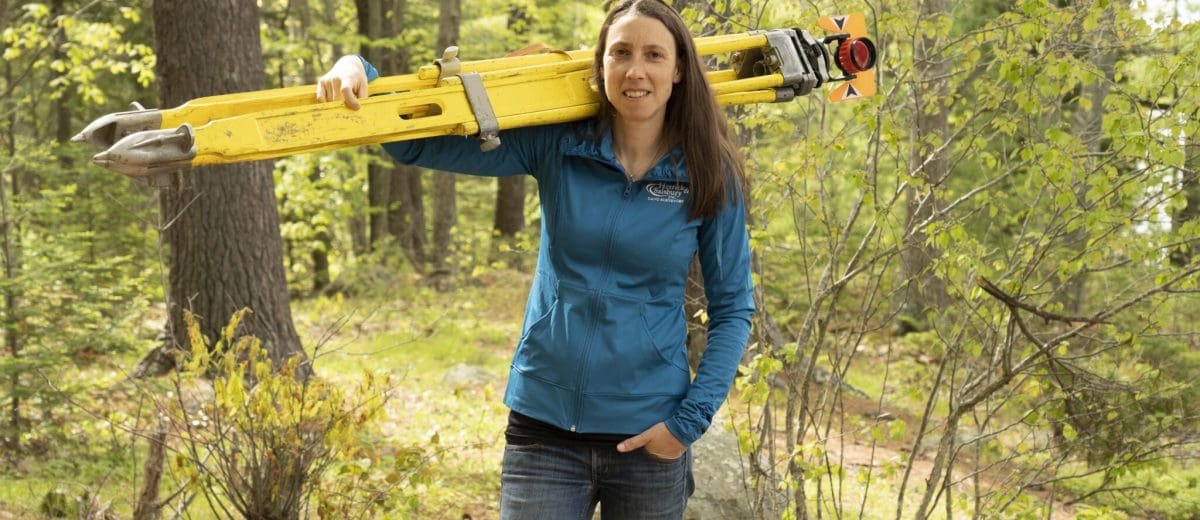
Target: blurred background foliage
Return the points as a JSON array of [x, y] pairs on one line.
[[1046, 149]]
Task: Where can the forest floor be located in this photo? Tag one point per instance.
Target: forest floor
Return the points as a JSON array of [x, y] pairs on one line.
[[449, 354], [858, 449]]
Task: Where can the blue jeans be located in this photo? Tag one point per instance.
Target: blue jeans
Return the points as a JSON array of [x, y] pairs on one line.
[[565, 482]]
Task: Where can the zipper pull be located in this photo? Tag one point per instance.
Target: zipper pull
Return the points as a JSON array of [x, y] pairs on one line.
[[628, 188]]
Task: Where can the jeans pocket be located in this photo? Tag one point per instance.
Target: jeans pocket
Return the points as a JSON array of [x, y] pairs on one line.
[[660, 460], [523, 446]]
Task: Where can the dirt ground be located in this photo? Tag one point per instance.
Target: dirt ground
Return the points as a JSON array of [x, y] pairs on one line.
[[858, 451]]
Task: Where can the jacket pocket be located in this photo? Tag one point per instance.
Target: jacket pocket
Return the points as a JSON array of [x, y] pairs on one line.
[[630, 359], [545, 352], [537, 323], [670, 345]]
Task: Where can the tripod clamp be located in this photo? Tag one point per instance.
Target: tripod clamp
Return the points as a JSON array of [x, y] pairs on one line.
[[481, 105]]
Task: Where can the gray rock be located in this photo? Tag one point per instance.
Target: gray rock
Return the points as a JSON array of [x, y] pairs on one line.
[[718, 471]]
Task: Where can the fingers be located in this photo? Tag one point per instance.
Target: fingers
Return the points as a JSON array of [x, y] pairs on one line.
[[328, 89], [633, 443], [657, 441], [663, 456], [351, 99], [360, 87], [347, 81], [333, 88]]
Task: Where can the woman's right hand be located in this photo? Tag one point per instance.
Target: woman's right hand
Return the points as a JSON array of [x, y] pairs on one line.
[[347, 80]]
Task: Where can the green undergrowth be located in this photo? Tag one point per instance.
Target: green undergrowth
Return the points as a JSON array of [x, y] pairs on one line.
[[420, 335], [1164, 489], [447, 437]]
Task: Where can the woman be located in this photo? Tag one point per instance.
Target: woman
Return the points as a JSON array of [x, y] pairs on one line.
[[603, 406]]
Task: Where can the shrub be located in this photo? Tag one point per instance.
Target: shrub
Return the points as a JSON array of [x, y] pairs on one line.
[[266, 443]]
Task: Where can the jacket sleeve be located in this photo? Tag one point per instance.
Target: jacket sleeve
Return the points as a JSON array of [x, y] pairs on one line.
[[519, 152], [724, 249]]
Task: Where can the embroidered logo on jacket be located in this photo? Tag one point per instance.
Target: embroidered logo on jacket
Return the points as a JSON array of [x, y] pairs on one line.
[[664, 192]]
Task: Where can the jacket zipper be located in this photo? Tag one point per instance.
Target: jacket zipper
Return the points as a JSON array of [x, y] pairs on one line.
[[596, 294]]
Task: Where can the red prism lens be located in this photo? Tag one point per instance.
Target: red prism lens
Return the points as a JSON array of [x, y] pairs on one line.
[[855, 55]]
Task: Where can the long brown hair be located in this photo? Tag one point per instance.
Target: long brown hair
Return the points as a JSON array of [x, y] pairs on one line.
[[693, 119]]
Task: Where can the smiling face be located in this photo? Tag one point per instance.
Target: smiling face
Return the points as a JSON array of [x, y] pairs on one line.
[[640, 68]]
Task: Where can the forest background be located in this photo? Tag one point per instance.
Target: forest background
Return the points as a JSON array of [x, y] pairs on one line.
[[977, 290]]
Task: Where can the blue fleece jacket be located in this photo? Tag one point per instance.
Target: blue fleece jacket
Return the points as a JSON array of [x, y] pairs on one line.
[[603, 346]]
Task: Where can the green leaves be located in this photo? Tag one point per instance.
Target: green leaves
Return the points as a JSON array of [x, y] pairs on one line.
[[263, 435], [80, 51]]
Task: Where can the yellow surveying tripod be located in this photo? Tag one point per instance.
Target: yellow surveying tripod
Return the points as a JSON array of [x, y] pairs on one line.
[[451, 97]]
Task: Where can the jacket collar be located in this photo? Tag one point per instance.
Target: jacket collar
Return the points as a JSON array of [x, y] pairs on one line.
[[668, 169]]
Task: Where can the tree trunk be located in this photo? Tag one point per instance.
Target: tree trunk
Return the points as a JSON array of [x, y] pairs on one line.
[[510, 191], [62, 110], [406, 215], [12, 331], [319, 257], [371, 15], [12, 436], [379, 187], [1088, 125], [148, 506], [360, 242], [1190, 185], [509, 217], [320, 254], [397, 206], [225, 251], [329, 12], [445, 203], [943, 462], [445, 218], [929, 163]]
